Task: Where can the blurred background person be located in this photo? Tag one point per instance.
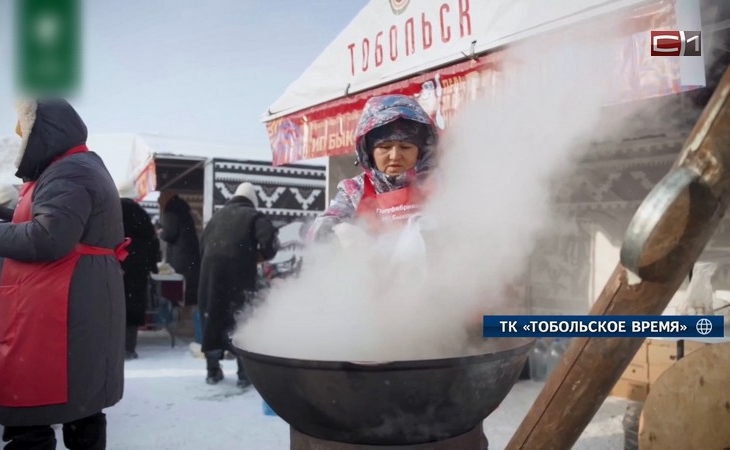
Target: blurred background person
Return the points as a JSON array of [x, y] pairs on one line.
[[236, 239], [182, 249], [144, 254]]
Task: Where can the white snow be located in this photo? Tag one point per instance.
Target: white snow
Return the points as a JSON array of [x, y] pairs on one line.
[[168, 406]]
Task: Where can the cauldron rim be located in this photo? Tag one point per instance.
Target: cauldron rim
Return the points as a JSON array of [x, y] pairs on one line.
[[366, 366]]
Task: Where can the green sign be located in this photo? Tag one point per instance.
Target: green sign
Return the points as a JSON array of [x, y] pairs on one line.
[[48, 46]]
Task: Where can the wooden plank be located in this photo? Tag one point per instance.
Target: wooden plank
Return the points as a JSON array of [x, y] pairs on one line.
[[674, 228], [584, 379], [630, 390], [636, 372]]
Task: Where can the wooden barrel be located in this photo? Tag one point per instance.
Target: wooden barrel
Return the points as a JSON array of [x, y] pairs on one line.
[[688, 407]]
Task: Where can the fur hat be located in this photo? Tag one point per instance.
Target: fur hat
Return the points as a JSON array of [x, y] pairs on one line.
[[26, 109], [247, 190]]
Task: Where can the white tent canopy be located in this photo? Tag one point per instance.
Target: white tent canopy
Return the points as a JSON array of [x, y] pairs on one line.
[[114, 149], [394, 39]]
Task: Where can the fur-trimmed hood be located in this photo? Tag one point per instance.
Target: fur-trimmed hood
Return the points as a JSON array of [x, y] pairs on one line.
[[381, 111], [49, 129]]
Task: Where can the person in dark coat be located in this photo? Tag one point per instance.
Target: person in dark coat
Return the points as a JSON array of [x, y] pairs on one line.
[[236, 239], [144, 253], [61, 290], [183, 249]]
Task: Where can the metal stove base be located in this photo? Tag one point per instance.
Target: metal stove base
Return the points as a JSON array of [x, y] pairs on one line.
[[473, 440]]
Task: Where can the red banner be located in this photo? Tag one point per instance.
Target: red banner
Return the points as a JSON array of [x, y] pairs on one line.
[[328, 129], [146, 181]]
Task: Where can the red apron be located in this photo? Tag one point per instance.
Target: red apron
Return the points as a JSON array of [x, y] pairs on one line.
[[33, 319], [389, 209]]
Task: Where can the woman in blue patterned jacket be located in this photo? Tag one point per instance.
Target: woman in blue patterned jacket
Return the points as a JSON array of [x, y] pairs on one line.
[[395, 142]]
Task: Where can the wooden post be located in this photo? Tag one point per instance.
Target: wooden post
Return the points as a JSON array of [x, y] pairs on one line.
[[667, 235]]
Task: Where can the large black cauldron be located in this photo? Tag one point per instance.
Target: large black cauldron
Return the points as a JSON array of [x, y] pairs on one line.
[[394, 403]]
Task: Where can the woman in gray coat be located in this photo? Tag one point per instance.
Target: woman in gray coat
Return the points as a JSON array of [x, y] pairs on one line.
[[62, 311]]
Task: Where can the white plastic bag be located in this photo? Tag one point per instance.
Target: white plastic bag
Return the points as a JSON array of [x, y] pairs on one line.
[[410, 252], [350, 236], [403, 250], [698, 300]]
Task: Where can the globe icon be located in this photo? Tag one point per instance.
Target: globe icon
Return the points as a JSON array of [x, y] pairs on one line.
[[704, 326]]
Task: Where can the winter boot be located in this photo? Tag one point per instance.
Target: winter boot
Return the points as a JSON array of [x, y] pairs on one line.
[[88, 433], [29, 438], [243, 381], [215, 373], [214, 376], [130, 338]]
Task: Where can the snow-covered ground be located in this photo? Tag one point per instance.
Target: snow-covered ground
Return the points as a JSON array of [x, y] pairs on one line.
[[167, 405]]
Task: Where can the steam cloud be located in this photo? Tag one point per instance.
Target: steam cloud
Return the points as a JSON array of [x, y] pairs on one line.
[[500, 158]]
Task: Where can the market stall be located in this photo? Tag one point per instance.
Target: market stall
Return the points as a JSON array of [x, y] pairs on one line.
[[286, 193], [450, 53]]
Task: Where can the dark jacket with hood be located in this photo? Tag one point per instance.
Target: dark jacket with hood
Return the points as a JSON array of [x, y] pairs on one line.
[[182, 250], [235, 239], [378, 115], [74, 201], [144, 253]]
